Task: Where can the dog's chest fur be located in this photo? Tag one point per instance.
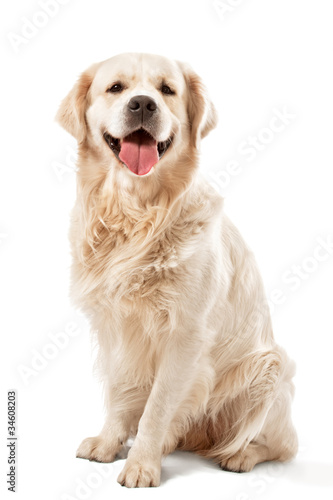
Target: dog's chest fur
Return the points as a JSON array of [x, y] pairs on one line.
[[125, 261]]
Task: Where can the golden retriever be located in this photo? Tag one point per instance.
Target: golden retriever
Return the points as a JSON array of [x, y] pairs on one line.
[[186, 350]]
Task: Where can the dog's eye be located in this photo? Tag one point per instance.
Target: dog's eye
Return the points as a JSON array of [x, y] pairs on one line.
[[165, 89], [117, 87]]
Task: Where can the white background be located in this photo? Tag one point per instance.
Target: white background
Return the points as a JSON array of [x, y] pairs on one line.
[[257, 57]]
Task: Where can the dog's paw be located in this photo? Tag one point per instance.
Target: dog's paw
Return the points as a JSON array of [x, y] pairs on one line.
[[242, 461], [136, 475], [98, 449]]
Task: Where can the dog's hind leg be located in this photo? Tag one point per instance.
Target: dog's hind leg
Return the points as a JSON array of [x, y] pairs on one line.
[[275, 438], [253, 424]]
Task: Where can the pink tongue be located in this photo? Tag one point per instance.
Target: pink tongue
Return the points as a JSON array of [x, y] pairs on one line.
[[139, 152]]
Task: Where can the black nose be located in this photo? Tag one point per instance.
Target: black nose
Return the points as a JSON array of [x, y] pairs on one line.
[[142, 105]]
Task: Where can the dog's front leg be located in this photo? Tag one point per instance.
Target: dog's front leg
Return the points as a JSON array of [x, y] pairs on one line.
[[120, 403], [173, 382]]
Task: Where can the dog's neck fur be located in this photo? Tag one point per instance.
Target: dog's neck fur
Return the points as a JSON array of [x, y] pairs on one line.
[[109, 216], [111, 196]]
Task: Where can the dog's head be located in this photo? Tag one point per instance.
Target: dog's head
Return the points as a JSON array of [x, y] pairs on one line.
[[141, 112]]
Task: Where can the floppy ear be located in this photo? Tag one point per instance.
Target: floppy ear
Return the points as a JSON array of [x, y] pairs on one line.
[[71, 113], [201, 111]]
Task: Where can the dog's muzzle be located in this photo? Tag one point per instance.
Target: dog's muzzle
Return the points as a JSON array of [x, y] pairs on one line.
[[139, 150]]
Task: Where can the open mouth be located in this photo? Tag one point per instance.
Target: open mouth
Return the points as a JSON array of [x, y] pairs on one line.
[[139, 151]]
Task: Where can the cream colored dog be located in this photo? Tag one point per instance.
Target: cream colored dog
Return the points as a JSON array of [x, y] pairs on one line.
[[186, 349]]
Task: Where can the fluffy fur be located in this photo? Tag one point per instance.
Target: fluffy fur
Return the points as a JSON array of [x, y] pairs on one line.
[[186, 349]]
